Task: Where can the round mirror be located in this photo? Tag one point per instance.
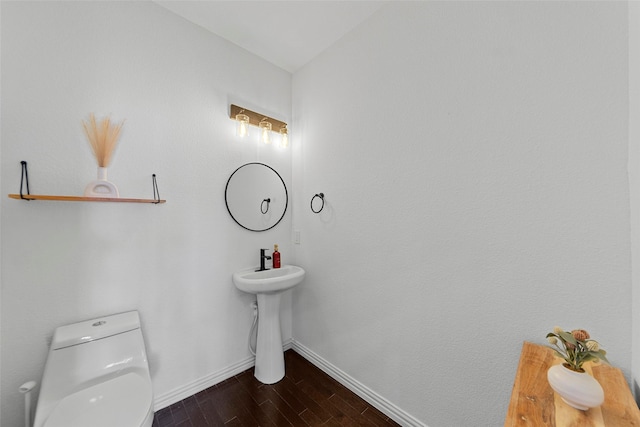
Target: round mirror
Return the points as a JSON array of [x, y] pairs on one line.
[[256, 197]]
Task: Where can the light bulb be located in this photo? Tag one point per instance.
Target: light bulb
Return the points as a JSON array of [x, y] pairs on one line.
[[284, 142], [242, 128], [265, 129]]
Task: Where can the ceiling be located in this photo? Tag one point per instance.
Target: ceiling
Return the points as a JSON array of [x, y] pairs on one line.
[[286, 33]]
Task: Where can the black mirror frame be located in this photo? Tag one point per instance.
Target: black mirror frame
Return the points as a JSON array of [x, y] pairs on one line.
[[286, 193]]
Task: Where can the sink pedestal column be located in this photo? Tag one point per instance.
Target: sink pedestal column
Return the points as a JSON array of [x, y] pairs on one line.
[[268, 286], [269, 354]]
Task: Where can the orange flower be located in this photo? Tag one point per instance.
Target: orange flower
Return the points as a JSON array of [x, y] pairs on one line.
[[580, 334]]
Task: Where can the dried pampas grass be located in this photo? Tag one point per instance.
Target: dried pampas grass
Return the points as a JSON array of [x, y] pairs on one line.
[[103, 138]]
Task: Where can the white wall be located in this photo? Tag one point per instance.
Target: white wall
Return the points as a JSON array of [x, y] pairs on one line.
[[65, 262], [1, 394], [634, 178], [475, 172], [473, 156]]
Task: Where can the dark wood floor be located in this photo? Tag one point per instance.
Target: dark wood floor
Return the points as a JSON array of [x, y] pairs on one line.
[[306, 396]]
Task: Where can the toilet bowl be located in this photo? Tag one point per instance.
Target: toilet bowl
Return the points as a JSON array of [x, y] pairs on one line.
[[97, 375]]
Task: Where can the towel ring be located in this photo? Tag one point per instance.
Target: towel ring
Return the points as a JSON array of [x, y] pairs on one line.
[[321, 196], [262, 208]]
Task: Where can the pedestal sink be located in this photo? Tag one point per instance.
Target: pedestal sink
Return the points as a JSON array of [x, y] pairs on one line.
[[268, 285]]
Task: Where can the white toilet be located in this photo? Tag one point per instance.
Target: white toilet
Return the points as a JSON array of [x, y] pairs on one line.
[[97, 375]]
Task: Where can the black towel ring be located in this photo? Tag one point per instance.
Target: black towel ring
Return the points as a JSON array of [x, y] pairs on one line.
[[321, 196], [262, 208]]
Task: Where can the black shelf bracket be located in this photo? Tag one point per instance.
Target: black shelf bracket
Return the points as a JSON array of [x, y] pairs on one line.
[[156, 193], [24, 178]]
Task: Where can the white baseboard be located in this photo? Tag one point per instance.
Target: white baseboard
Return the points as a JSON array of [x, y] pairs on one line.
[[370, 396], [180, 393]]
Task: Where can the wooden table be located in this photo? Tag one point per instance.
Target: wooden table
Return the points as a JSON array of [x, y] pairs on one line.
[[534, 403]]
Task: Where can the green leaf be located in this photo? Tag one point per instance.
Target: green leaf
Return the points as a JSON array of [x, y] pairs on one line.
[[565, 336], [602, 356]]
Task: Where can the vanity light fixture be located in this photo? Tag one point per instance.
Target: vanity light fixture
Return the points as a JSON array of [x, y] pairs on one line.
[[244, 118], [265, 131]]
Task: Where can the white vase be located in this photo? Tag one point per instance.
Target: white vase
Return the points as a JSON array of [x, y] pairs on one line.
[[101, 187], [578, 389]]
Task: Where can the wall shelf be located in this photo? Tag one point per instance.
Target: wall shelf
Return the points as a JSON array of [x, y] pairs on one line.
[[24, 179], [83, 199]]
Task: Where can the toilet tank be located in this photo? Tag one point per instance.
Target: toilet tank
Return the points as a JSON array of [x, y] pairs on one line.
[[93, 330], [92, 352]]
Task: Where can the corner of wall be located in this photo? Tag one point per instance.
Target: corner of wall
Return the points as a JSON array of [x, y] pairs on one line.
[[634, 183]]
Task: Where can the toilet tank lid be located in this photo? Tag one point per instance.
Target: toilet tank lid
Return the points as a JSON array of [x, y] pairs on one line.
[[94, 329]]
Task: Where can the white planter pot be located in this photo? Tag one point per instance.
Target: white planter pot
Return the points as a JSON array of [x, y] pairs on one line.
[[578, 389]]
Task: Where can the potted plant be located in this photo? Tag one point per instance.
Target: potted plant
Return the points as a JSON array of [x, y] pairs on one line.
[[569, 379], [103, 138]]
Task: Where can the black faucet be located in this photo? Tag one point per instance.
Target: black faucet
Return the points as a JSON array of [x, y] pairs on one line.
[[262, 258]]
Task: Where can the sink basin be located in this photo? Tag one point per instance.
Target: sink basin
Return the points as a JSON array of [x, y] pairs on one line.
[[268, 281]]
